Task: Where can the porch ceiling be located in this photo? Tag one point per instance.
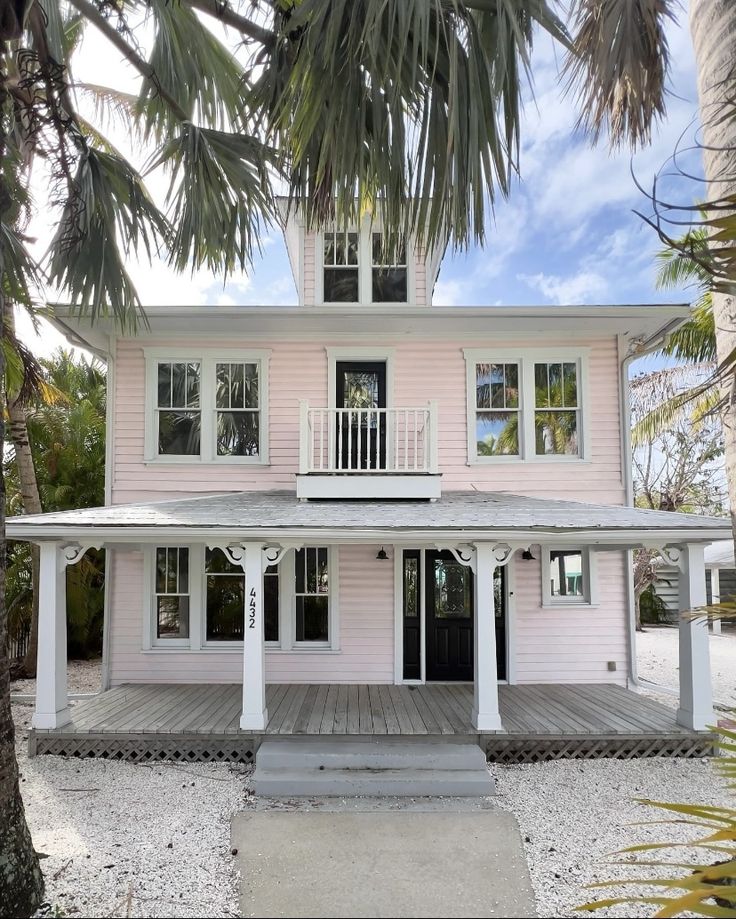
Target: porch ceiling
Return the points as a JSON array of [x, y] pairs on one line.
[[456, 516]]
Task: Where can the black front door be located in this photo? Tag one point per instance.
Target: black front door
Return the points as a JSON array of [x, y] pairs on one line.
[[449, 617], [360, 429]]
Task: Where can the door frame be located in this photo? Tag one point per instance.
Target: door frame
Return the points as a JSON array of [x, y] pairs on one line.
[[369, 355], [510, 601]]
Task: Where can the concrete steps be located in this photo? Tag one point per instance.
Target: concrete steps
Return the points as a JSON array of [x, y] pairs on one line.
[[291, 767]]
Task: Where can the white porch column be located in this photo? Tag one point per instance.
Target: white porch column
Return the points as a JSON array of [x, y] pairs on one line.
[[715, 597], [52, 703], [696, 700], [486, 715], [254, 716]]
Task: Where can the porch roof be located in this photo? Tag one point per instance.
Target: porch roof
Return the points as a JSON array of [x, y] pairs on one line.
[[278, 515]]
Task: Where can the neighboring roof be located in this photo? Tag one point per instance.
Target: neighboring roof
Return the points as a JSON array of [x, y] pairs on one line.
[[642, 324], [278, 514], [720, 554]]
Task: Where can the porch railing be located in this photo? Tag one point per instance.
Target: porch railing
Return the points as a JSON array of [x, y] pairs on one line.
[[362, 441]]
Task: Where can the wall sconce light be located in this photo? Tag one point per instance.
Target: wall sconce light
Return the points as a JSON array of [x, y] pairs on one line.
[[527, 555], [382, 555]]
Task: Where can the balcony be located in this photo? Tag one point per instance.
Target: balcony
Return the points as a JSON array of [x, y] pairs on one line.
[[378, 453]]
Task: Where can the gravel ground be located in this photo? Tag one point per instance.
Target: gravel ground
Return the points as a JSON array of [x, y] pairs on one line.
[[82, 676], [127, 840], [657, 656], [573, 815]]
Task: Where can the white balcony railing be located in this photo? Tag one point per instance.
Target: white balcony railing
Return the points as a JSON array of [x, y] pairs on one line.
[[361, 441]]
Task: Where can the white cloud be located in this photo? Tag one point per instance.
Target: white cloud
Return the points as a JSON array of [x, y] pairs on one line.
[[583, 287]]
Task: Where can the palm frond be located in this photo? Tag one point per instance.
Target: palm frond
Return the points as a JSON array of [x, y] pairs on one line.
[[108, 215], [617, 67], [219, 188], [695, 340], [699, 404]]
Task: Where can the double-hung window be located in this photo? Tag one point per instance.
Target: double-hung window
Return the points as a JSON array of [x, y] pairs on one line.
[[388, 273], [341, 266], [312, 596], [206, 406], [527, 404], [360, 267], [171, 594]]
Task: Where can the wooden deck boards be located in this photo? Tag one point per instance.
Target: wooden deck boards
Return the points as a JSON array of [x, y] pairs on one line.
[[433, 709]]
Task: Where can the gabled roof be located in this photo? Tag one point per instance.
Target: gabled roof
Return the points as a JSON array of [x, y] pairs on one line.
[[277, 514]]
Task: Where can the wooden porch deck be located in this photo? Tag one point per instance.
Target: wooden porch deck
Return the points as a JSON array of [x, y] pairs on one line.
[[201, 722]]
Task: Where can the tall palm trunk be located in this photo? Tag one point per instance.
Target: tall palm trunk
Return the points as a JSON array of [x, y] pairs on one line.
[[713, 30], [21, 881], [18, 431]]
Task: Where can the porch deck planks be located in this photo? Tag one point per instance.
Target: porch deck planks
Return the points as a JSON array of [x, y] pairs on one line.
[[527, 711]]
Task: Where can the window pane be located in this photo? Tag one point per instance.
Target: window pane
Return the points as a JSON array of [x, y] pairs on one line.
[[389, 285], [161, 570], [566, 574], [382, 257], [411, 584], [271, 604], [541, 386], [183, 556], [452, 591], [178, 433], [341, 285], [311, 570], [497, 433], [172, 617], [322, 574], [329, 257], [556, 433], [483, 385], [238, 433], [570, 385], [184, 386], [225, 607], [172, 581], [300, 560], [311, 618], [164, 385], [511, 374], [192, 394]]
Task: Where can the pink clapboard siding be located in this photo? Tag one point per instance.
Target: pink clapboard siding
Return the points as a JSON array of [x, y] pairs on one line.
[[568, 644], [423, 370], [366, 614]]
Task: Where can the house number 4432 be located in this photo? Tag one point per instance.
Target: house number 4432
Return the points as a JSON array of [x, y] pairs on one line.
[[252, 608]]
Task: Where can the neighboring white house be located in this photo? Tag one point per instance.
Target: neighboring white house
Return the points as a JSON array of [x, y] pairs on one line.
[[368, 490]]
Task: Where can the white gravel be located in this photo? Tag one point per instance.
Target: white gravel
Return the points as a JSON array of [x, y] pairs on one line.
[[132, 840], [657, 657], [82, 676], [574, 815]]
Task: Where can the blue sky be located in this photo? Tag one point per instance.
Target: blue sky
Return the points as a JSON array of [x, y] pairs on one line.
[[568, 233]]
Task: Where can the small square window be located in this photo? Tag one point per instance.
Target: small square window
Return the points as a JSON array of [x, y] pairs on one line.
[[568, 576]]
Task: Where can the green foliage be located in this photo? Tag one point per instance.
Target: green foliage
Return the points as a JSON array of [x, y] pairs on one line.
[[652, 607], [67, 440]]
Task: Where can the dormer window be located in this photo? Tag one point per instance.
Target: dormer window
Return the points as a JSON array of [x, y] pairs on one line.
[[388, 276], [341, 268], [357, 267]]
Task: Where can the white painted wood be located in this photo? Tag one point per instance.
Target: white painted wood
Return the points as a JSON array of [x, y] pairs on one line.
[[254, 716], [715, 595], [696, 696], [420, 486], [52, 702], [590, 579], [486, 715]]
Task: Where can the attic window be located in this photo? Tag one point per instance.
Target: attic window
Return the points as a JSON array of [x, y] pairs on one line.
[[341, 281], [388, 272]]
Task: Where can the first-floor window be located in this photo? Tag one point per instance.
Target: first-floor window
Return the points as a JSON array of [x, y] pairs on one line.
[[312, 595], [568, 576], [225, 584], [172, 592], [271, 603]]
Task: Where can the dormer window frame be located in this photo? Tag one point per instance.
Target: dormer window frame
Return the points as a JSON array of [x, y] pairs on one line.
[[365, 231]]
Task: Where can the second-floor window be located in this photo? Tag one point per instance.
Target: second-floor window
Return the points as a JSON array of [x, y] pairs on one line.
[[526, 405], [206, 407], [358, 267]]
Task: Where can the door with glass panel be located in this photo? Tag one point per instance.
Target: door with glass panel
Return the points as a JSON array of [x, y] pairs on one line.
[[449, 617], [360, 423]]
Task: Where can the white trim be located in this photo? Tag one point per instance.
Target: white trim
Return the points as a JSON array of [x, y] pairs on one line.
[[359, 354], [510, 624], [110, 406], [417, 486], [590, 578], [333, 603], [207, 358], [526, 358]]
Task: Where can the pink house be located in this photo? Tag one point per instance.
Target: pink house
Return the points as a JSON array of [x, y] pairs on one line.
[[369, 515]]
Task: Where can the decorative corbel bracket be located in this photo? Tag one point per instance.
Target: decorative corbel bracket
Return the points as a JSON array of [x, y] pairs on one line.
[[71, 552], [464, 554], [272, 555], [671, 555], [502, 553], [234, 552]]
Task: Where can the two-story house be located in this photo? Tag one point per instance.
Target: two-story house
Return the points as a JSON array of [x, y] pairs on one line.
[[368, 515]]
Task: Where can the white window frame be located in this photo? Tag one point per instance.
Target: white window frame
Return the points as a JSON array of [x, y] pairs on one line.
[[367, 227], [208, 358], [198, 605], [590, 579], [526, 358]]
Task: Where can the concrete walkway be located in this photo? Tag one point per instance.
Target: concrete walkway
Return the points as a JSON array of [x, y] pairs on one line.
[[438, 858]]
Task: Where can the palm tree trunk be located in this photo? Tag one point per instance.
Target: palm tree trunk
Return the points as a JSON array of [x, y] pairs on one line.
[[713, 30], [18, 431], [21, 881]]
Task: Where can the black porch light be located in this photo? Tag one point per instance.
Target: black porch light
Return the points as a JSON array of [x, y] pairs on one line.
[[527, 555], [382, 555]]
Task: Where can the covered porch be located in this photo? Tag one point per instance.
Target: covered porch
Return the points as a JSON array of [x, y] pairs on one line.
[[143, 722]]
